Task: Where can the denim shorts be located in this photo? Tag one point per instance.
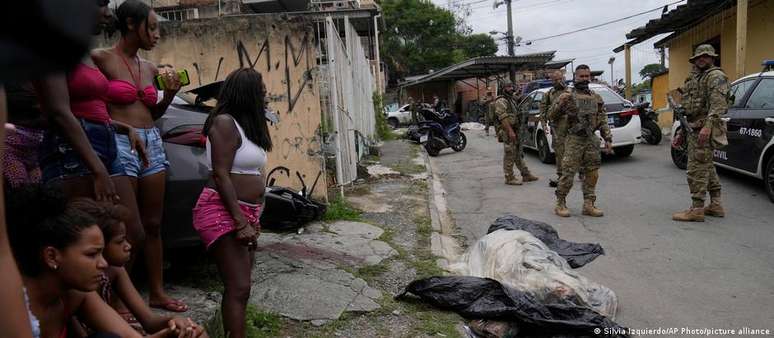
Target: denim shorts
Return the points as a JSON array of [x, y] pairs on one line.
[[59, 160], [154, 148]]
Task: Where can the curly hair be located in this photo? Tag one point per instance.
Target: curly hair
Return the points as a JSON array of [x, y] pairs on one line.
[[39, 217], [107, 215]]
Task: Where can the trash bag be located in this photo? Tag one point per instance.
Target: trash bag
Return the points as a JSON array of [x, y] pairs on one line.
[[518, 259], [576, 254], [485, 298], [493, 329], [287, 210]]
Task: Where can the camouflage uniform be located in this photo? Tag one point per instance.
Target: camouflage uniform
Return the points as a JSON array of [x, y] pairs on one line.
[[705, 98], [507, 111], [558, 125], [489, 117], [584, 112]]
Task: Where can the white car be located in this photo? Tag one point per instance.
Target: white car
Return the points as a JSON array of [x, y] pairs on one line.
[[622, 117], [399, 117]]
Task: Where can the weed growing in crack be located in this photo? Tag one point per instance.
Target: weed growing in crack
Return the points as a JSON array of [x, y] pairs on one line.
[[260, 324], [341, 209]]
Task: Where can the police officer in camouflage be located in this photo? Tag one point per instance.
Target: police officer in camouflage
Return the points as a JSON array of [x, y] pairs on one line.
[[558, 126], [705, 99], [584, 112], [511, 123]]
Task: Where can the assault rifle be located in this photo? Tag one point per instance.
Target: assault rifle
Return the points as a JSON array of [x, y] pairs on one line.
[[679, 111]]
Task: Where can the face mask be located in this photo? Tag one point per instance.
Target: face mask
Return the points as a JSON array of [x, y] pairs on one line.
[[583, 85], [559, 85]]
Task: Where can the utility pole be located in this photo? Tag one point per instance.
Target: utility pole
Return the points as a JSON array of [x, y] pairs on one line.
[[511, 43]]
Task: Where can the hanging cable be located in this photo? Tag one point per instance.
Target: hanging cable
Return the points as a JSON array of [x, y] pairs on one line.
[[604, 23]]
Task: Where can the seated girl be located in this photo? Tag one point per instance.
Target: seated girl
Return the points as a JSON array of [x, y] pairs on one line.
[[59, 252], [117, 282]]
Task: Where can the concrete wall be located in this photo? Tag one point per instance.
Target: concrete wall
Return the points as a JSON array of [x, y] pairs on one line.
[[283, 52], [760, 30], [660, 87]]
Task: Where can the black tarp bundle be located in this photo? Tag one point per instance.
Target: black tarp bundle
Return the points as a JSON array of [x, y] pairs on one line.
[[484, 298], [576, 254]]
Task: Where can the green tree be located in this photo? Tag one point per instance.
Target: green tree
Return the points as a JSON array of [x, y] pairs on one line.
[[649, 70], [478, 45], [422, 36]]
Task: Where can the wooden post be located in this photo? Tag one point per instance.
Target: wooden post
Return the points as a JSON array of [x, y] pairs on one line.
[[628, 66], [741, 37]]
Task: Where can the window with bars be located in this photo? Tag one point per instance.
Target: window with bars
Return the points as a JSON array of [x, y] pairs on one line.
[[180, 14]]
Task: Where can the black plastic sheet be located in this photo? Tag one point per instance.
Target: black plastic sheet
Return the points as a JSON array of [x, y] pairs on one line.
[[576, 254], [484, 298]]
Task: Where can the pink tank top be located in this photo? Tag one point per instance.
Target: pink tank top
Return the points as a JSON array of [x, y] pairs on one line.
[[88, 88]]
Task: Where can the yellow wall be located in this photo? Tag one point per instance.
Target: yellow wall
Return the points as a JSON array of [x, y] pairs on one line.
[[660, 88], [283, 52], [760, 33]]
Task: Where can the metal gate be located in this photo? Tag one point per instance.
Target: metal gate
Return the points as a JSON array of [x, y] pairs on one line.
[[350, 87]]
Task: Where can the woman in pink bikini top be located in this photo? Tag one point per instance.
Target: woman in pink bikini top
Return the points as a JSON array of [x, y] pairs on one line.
[[133, 100]]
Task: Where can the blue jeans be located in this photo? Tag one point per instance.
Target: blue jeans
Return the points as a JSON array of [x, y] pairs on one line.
[[59, 160], [154, 149]]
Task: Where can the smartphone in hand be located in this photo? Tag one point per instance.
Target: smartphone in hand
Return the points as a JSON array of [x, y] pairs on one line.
[[182, 76]]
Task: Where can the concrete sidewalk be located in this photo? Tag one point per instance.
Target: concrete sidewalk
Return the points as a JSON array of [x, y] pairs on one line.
[[338, 278]]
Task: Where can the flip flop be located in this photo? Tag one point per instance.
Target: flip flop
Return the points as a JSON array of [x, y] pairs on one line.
[[171, 305]]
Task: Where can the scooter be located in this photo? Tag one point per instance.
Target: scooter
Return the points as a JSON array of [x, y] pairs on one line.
[[651, 132], [440, 130]]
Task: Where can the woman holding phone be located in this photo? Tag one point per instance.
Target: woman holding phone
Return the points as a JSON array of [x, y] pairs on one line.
[[133, 100]]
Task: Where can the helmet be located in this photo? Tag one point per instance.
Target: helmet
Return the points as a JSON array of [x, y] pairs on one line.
[[704, 50], [505, 83]]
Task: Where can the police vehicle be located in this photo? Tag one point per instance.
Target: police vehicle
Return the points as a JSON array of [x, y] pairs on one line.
[[622, 118], [750, 121]]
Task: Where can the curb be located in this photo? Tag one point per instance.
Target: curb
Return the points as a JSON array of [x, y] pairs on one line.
[[442, 244]]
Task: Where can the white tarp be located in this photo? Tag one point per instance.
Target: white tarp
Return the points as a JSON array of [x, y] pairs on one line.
[[518, 259]]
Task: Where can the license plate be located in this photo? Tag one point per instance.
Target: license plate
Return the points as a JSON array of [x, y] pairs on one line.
[[611, 121], [423, 139]]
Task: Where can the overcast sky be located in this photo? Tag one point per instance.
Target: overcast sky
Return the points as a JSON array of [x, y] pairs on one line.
[[534, 19]]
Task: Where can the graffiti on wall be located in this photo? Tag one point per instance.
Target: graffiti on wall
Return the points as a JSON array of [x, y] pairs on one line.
[[296, 58], [245, 60]]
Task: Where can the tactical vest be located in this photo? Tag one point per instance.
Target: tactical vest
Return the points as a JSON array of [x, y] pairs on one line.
[[696, 95], [587, 105]]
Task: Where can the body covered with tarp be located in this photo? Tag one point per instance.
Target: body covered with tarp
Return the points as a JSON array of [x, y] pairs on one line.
[[576, 254], [520, 260], [488, 299]]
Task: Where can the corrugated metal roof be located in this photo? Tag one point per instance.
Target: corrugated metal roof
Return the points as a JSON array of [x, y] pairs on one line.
[[484, 66], [677, 20]]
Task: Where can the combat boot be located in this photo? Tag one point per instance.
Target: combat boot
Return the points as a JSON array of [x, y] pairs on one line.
[[529, 178], [590, 210], [694, 214], [561, 207], [511, 180], [715, 209]]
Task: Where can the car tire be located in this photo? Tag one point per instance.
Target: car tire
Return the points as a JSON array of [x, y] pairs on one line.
[[768, 178], [680, 154], [393, 122], [544, 153], [624, 151]]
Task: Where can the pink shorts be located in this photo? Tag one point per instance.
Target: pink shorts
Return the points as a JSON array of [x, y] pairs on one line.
[[212, 220]]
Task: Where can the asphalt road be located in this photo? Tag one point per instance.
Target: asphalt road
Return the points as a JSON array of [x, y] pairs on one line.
[[716, 274]]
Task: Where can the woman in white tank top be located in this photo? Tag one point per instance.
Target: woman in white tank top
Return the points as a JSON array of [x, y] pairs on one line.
[[228, 210]]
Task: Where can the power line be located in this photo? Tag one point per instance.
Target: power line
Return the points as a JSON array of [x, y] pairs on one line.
[[604, 23]]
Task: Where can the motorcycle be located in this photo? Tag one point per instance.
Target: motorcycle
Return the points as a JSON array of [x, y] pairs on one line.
[[651, 131], [440, 130]]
